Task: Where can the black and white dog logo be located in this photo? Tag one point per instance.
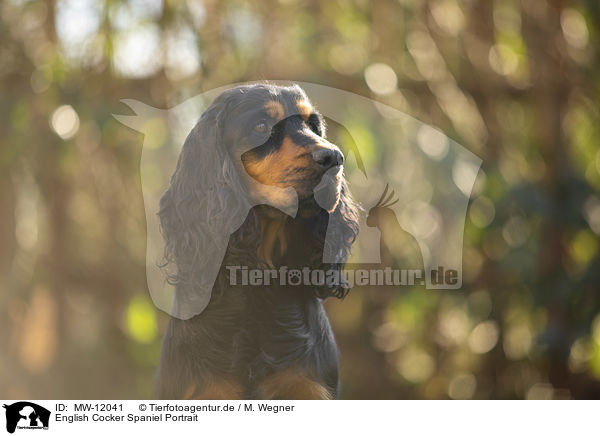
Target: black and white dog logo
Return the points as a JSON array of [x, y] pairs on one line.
[[26, 415]]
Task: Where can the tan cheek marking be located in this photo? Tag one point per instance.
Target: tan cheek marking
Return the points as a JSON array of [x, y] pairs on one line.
[[259, 170], [292, 384], [275, 110], [289, 155], [304, 108], [270, 169]]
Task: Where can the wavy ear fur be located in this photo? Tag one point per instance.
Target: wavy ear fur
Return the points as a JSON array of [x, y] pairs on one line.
[[338, 230], [203, 206]]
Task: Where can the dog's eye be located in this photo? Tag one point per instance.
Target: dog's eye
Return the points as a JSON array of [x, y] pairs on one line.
[[261, 127]]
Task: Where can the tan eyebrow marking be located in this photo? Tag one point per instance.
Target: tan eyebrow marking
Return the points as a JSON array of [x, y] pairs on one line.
[[304, 108], [275, 109]]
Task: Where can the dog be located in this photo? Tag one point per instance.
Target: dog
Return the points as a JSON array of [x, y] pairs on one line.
[[264, 145]]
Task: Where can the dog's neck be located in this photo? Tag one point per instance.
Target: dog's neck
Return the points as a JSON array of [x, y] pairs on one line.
[[286, 239], [273, 239]]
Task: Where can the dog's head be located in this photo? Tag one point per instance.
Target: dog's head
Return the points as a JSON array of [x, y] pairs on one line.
[[255, 144], [276, 137]]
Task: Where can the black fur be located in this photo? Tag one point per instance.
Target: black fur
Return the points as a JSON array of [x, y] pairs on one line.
[[246, 333]]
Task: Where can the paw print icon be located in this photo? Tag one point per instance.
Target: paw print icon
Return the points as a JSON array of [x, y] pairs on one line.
[[294, 277]]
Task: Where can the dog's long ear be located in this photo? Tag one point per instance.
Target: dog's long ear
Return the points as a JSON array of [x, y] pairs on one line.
[[203, 206], [341, 231]]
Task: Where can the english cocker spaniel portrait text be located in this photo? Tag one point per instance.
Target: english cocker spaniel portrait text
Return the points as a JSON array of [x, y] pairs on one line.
[[262, 149]]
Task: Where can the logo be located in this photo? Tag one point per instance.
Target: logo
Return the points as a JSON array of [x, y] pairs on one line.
[[26, 415], [412, 181]]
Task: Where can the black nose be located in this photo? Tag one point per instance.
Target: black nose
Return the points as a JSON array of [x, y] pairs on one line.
[[328, 158]]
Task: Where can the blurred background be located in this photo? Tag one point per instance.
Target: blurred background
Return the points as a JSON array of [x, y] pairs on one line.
[[515, 82]]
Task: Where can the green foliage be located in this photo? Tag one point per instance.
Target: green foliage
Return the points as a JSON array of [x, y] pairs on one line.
[[514, 82]]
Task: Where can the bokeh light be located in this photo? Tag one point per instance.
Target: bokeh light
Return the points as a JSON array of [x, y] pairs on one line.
[[65, 121], [512, 82]]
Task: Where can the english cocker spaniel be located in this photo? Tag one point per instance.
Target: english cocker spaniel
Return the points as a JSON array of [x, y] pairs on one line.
[[259, 152]]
